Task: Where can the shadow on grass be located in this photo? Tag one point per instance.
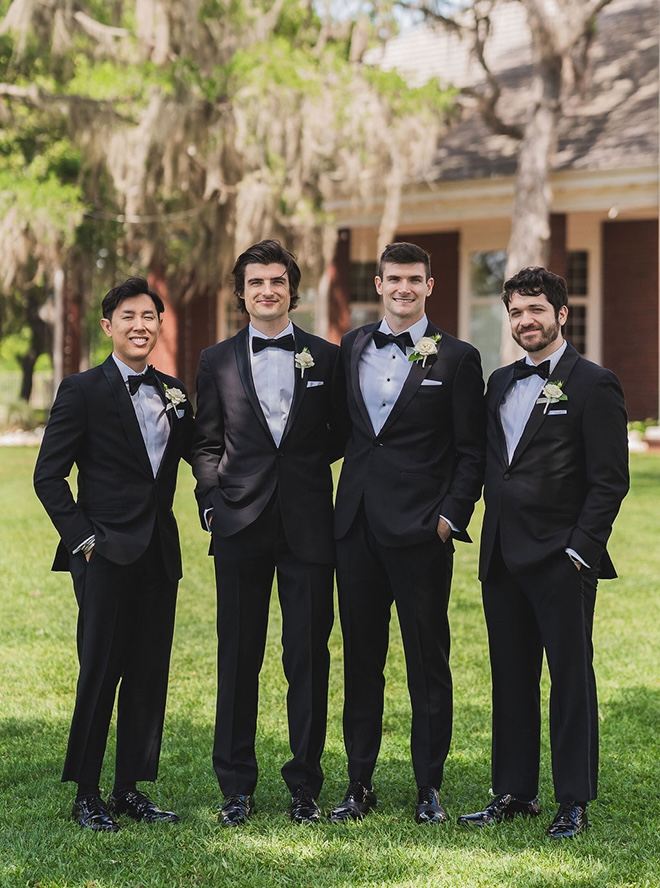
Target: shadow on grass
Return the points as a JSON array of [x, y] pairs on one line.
[[42, 847]]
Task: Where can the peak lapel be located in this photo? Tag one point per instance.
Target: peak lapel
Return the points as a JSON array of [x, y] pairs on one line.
[[361, 341], [561, 372], [126, 413], [241, 346], [299, 382], [413, 381]]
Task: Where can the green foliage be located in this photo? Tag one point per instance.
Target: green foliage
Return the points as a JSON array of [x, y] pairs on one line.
[[404, 99], [41, 846]]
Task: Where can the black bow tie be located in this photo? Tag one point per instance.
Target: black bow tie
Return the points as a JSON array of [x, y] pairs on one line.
[[401, 339], [285, 342], [146, 378], [521, 369]]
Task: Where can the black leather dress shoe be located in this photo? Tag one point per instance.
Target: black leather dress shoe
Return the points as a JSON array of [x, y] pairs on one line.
[[303, 808], [91, 812], [236, 810], [570, 820], [504, 807], [357, 802], [428, 808], [140, 807]]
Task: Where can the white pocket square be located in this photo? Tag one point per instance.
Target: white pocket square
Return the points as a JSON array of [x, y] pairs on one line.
[[431, 382], [312, 382]]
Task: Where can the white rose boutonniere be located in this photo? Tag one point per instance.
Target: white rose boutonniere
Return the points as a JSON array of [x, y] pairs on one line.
[[304, 361], [424, 348], [551, 394], [174, 397]]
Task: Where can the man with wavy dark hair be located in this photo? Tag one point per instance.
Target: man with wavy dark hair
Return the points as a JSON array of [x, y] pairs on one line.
[[125, 426], [262, 462]]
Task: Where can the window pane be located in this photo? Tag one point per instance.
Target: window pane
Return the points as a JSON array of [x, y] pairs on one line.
[[487, 273], [486, 333], [362, 282], [576, 327], [577, 273], [486, 282]]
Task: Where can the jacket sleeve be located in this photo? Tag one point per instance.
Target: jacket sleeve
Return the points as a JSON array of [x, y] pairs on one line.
[[605, 437], [469, 422], [64, 435], [208, 438]]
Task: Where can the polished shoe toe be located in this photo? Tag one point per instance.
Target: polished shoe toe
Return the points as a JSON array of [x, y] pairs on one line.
[[91, 812], [236, 810], [303, 808], [357, 802], [429, 808], [570, 820], [504, 807], [140, 807]]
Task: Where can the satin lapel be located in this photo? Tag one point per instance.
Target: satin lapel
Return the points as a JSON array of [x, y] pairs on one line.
[[126, 413], [506, 383], [361, 341], [413, 381], [561, 372], [241, 345], [299, 382], [172, 419]]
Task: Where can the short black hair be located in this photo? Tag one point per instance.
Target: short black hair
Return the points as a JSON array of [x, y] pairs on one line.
[[536, 281], [266, 252], [404, 253], [133, 286]]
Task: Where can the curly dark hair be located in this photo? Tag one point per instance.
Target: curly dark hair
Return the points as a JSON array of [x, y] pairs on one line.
[[536, 281]]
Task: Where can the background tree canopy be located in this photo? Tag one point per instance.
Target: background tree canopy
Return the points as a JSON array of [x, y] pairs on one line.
[[164, 136]]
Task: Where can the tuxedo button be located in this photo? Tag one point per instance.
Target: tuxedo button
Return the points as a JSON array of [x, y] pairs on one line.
[[378, 443], [507, 476]]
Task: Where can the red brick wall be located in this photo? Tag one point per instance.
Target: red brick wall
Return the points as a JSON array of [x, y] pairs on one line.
[[196, 330], [630, 311], [339, 287]]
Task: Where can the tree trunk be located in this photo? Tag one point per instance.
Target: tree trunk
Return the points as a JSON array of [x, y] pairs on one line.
[[530, 223]]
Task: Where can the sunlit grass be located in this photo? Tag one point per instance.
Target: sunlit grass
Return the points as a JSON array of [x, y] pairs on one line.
[[41, 846]]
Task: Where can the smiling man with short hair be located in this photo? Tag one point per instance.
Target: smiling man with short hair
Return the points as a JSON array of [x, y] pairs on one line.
[[125, 426], [412, 401]]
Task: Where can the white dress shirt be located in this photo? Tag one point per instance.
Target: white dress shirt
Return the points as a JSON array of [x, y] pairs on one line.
[[383, 371], [518, 402], [273, 373], [150, 412]]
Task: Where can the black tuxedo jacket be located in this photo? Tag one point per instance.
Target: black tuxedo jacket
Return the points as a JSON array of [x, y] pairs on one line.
[[428, 459], [236, 461], [93, 425], [568, 475]]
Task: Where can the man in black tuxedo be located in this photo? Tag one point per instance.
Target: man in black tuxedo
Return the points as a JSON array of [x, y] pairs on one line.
[[125, 427], [413, 469], [261, 458], [556, 473]]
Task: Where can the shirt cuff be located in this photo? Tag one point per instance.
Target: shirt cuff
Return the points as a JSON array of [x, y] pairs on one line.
[[451, 524], [573, 555], [86, 545]]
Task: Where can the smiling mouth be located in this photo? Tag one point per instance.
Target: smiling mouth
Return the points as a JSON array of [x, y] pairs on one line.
[[139, 340]]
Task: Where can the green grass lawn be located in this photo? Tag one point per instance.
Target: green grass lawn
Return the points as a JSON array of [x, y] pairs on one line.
[[41, 846]]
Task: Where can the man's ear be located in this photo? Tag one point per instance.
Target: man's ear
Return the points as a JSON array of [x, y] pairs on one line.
[[106, 326]]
